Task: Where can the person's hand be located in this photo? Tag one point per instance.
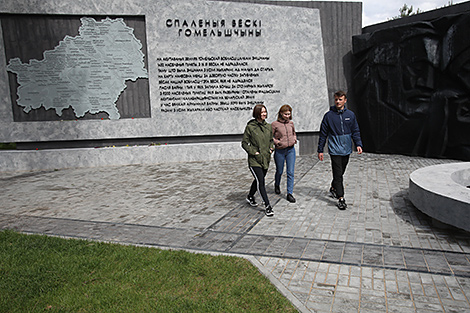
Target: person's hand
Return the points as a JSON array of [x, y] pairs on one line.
[[359, 149], [320, 156]]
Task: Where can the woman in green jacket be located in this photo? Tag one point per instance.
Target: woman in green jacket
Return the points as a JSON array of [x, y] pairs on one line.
[[258, 143]]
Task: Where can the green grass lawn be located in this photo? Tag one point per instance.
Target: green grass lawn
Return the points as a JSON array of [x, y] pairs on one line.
[[7, 146], [49, 274]]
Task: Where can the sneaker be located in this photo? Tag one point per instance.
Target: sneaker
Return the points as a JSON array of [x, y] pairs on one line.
[[277, 189], [269, 211], [342, 204], [251, 200], [333, 193], [290, 198]]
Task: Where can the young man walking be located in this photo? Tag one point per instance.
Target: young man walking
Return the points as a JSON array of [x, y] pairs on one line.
[[339, 125]]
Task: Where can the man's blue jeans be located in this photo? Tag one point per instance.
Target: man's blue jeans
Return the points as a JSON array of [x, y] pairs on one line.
[[288, 156]]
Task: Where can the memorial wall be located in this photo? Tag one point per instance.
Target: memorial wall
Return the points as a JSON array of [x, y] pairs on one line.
[[136, 69]]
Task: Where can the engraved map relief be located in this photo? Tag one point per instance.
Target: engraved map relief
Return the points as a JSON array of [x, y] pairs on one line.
[[86, 72]]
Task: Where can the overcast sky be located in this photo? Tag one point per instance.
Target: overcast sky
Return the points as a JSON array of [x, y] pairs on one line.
[[374, 11], [377, 11]]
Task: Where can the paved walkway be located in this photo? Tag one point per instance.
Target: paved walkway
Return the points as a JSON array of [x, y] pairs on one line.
[[380, 255]]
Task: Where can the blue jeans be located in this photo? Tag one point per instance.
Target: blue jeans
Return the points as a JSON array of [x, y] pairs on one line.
[[288, 156]]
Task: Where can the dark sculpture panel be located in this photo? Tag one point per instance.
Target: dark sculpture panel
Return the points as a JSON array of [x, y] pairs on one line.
[[412, 88]]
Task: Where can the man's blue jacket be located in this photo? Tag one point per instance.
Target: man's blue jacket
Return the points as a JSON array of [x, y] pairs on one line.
[[339, 127]]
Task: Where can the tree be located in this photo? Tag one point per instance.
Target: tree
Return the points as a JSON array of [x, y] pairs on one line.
[[451, 2], [407, 11]]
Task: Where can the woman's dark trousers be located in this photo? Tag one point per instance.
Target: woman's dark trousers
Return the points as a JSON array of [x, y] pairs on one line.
[[259, 183]]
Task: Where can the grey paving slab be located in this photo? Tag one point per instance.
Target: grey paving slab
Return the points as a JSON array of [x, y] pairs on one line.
[[373, 256], [381, 254]]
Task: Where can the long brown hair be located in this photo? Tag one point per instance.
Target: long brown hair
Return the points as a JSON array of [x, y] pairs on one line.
[[283, 109]]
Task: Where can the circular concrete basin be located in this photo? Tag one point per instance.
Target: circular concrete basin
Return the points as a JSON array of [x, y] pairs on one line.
[[443, 192], [462, 177]]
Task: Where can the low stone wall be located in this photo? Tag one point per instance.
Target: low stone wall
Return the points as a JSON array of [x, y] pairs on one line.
[[16, 160]]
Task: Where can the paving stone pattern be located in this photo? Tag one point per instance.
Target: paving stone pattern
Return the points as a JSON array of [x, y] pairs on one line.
[[379, 255]]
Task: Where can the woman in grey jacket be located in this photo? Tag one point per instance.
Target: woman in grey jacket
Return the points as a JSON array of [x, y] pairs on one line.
[[284, 140], [258, 143]]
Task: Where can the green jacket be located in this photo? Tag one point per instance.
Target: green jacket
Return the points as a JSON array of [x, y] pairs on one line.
[[258, 137]]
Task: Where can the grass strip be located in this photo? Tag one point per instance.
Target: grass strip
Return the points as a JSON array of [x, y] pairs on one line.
[[50, 274], [8, 146]]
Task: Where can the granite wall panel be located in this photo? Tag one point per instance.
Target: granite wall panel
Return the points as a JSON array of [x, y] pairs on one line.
[[287, 54]]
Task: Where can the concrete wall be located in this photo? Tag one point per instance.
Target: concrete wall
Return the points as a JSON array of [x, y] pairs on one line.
[[339, 21], [287, 57], [51, 159]]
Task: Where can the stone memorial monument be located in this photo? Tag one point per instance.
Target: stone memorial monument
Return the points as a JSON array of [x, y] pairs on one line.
[[93, 71], [413, 83]]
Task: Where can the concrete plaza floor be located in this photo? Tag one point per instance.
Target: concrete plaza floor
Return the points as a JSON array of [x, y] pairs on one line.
[[379, 255]]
